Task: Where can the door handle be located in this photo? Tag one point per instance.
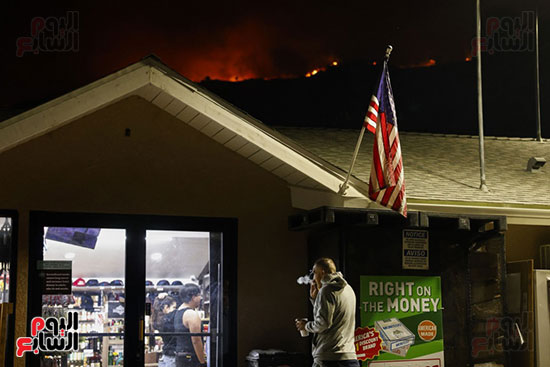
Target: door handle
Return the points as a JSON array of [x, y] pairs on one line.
[[141, 329]]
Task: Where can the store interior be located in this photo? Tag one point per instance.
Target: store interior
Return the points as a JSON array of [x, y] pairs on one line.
[[97, 256], [5, 247]]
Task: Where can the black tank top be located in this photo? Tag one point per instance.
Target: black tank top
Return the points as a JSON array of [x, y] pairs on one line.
[[169, 341], [183, 343]]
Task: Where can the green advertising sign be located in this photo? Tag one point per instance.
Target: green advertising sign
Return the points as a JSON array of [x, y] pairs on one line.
[[401, 322]]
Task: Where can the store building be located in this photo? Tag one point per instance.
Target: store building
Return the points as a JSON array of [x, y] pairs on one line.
[[185, 188]]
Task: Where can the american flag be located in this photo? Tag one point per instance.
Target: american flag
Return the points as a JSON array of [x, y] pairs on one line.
[[387, 179]]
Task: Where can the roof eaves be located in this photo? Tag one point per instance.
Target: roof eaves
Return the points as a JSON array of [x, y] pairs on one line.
[[524, 214], [358, 188], [62, 110], [70, 95], [480, 204]]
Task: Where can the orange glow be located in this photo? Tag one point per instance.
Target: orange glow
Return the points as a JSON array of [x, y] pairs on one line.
[[374, 63], [424, 64], [231, 57], [314, 72], [235, 58], [468, 59], [317, 70]]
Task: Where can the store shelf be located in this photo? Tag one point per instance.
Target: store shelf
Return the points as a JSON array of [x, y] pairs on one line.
[[157, 288], [95, 316], [97, 288]]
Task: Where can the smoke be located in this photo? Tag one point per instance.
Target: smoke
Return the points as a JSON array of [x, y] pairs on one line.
[[249, 49], [236, 53]]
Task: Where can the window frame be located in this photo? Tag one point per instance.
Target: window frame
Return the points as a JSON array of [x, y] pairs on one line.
[[134, 223]]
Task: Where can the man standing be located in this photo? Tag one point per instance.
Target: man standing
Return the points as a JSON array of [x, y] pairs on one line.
[[189, 349], [334, 317]]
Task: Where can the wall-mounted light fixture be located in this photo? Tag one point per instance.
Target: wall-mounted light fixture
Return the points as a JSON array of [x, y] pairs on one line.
[[535, 163]]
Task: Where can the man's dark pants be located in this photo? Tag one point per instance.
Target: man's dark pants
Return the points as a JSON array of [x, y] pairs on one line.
[[345, 363]]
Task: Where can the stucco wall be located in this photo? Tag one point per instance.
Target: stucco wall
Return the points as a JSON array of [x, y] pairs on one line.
[[168, 168], [523, 242]]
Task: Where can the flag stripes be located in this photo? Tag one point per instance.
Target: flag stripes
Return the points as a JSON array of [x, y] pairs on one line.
[[372, 115], [387, 178]]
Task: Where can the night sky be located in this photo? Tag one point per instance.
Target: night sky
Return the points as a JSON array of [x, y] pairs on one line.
[[237, 40]]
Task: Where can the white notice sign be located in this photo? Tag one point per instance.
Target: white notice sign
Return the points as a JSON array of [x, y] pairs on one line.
[[415, 249]]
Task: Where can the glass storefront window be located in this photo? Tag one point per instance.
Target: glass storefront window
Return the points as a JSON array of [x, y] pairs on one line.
[[7, 300], [123, 283], [97, 257], [5, 258], [178, 295]]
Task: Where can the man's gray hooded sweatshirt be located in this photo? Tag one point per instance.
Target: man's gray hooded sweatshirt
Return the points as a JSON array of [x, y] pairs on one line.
[[334, 323]]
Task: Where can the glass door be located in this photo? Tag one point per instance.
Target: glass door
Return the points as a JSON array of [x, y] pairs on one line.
[[95, 257], [5, 258], [183, 273], [7, 290], [146, 290]]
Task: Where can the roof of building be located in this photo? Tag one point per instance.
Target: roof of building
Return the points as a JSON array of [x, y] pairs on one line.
[[440, 170], [190, 103], [444, 167]]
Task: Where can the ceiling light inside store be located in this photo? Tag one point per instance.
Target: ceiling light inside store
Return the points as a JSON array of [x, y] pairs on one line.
[[69, 255], [157, 256], [168, 236]]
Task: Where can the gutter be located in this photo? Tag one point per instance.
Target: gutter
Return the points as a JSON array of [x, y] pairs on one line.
[[520, 215]]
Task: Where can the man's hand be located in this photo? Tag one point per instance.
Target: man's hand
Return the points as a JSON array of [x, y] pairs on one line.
[[313, 290], [300, 324]]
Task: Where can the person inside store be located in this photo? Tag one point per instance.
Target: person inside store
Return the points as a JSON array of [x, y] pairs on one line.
[[164, 310], [333, 326], [189, 349]]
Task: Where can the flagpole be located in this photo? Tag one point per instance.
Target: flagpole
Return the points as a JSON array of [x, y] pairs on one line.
[[344, 186], [483, 184], [539, 132]]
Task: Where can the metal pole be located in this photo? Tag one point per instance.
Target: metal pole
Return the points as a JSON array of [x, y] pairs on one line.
[[483, 185], [539, 130], [344, 186], [218, 313]]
